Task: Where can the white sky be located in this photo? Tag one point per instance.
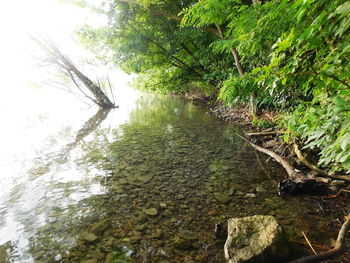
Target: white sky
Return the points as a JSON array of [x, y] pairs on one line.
[[19, 102], [19, 18]]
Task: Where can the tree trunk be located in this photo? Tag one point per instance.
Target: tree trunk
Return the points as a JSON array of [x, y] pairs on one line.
[[56, 57]]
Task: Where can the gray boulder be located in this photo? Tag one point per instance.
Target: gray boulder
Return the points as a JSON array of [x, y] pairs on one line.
[[256, 239]]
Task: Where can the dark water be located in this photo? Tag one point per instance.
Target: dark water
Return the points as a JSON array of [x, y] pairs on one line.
[[149, 190]]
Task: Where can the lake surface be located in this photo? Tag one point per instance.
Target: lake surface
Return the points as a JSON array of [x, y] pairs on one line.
[[146, 182]]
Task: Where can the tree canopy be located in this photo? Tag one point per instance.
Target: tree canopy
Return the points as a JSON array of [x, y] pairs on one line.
[[292, 55]]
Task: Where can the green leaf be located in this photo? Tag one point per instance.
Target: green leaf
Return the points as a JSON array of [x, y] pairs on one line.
[[344, 8], [308, 32], [300, 15], [345, 141]]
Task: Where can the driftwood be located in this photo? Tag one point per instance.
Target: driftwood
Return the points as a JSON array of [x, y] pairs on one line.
[[296, 183], [339, 248], [292, 173], [317, 169]]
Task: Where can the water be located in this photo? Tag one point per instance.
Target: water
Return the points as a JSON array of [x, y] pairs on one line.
[[146, 182]]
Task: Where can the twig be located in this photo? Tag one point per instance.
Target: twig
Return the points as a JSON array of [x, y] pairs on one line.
[[309, 243], [110, 87], [322, 247], [338, 249], [330, 76], [263, 167], [337, 194], [265, 133]]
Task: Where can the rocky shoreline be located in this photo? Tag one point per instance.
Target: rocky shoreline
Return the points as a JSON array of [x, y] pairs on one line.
[[169, 196], [243, 119]]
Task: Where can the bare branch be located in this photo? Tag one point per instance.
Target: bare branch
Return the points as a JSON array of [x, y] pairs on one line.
[[67, 67], [339, 248]]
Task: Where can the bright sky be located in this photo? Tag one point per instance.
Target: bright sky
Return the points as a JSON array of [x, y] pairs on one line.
[[51, 18], [19, 102], [19, 18]]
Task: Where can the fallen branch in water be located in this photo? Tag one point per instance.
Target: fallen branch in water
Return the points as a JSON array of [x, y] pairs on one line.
[[286, 165], [317, 169], [265, 133], [296, 181], [339, 248]]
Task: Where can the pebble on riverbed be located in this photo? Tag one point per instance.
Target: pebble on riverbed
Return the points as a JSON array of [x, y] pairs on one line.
[[151, 211], [89, 237]]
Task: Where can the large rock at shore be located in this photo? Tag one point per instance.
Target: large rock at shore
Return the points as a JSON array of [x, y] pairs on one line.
[[255, 239]]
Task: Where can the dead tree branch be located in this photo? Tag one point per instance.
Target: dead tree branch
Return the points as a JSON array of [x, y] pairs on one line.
[[286, 165], [265, 133], [67, 67]]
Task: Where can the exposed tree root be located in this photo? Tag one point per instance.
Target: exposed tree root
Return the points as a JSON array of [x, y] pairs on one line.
[[339, 248], [317, 169]]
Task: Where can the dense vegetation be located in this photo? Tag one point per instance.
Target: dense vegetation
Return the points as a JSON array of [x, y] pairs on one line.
[[286, 55]]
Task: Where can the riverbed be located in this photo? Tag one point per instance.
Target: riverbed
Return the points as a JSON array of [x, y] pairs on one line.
[[147, 182]]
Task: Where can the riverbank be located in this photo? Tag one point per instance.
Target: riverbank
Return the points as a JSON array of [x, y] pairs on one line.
[[154, 189], [337, 196]]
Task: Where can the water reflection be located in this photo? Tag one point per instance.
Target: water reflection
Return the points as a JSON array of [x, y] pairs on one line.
[[45, 188], [149, 190]]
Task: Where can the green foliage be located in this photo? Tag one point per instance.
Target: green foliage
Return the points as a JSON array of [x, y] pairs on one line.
[[207, 12], [237, 89], [295, 55], [308, 66], [262, 123], [315, 55], [162, 81], [326, 127]]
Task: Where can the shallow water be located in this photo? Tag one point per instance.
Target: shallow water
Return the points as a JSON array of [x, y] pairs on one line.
[[145, 186]]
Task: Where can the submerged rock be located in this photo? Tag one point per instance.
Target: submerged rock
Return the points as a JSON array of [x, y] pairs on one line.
[[255, 239], [182, 244], [260, 189], [222, 198], [90, 237], [101, 226], [151, 211], [144, 178], [92, 260], [185, 234], [140, 227], [250, 195]]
